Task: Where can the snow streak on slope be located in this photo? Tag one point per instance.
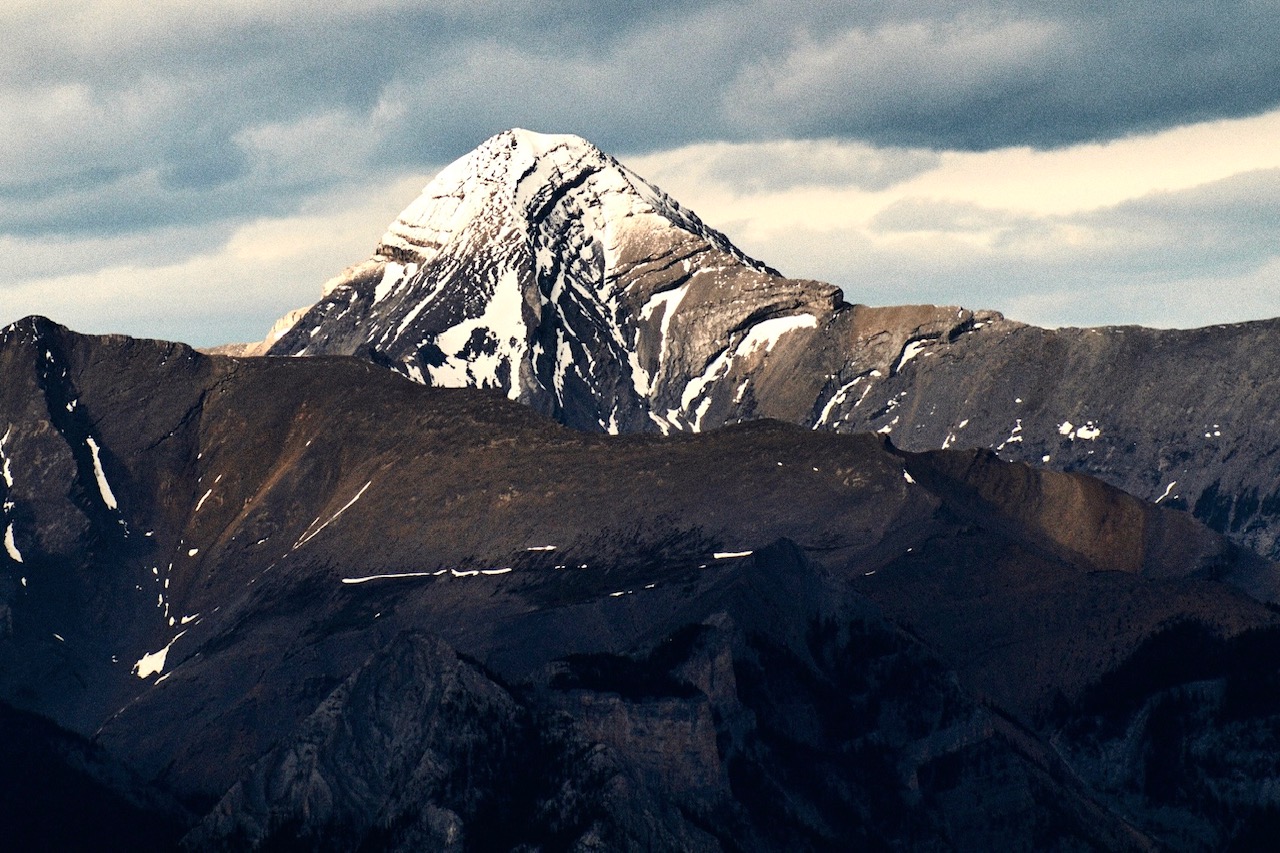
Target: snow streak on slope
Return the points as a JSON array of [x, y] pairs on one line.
[[104, 488], [6, 470]]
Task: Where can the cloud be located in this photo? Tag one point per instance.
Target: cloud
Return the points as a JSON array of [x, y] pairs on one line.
[[1134, 262], [199, 285], [997, 75], [91, 90], [788, 164], [1133, 231], [175, 126], [917, 80]]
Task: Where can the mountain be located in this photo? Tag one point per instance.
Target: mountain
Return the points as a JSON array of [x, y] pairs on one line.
[[540, 266], [264, 603]]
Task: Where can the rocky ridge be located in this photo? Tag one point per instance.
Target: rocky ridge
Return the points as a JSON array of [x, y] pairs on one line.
[[540, 266]]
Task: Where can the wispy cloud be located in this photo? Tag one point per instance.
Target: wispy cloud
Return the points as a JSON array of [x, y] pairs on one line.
[[1089, 234]]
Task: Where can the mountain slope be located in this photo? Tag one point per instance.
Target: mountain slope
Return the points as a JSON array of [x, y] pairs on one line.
[[310, 599], [540, 266], [1185, 417]]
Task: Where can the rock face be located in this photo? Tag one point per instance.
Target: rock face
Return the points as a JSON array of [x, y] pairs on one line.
[[266, 603], [1188, 418], [541, 267]]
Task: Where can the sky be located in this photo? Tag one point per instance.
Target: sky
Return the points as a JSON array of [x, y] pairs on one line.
[[192, 171]]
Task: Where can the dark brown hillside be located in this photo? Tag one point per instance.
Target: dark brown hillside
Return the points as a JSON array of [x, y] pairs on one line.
[[319, 603]]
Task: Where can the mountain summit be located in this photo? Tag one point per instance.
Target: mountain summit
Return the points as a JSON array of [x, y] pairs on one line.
[[540, 266]]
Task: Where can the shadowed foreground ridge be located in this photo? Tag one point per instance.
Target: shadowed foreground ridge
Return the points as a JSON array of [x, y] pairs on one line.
[[265, 603]]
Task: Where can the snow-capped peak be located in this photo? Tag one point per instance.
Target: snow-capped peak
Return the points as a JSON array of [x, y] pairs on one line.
[[539, 265], [512, 177]]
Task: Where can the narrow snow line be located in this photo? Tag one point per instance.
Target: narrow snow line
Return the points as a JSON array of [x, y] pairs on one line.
[[308, 536], [835, 400], [200, 502], [728, 555], [541, 548], [368, 578], [104, 488], [1167, 490]]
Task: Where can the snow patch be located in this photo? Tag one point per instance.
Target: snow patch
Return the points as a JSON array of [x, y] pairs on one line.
[[1014, 437], [391, 275], [766, 334], [668, 301], [503, 318], [150, 664], [1088, 432], [910, 351], [200, 502], [835, 400], [906, 476], [10, 545], [104, 488]]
